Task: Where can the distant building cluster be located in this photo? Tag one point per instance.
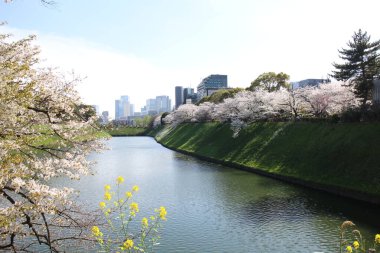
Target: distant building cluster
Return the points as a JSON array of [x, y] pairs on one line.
[[125, 110], [208, 86], [157, 105], [184, 96]]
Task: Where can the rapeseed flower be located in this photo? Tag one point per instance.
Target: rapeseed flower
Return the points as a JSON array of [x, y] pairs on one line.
[[107, 187], [96, 231], [162, 213], [349, 249], [377, 238], [102, 205], [128, 244], [356, 244], [144, 222], [135, 188], [107, 196], [119, 179], [134, 207], [128, 194]]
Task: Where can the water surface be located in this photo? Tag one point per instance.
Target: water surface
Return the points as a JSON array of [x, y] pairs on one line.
[[212, 208]]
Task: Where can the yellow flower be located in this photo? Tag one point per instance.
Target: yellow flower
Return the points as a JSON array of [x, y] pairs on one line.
[[144, 222], [135, 188], [132, 213], [96, 231], [107, 187], [107, 196], [349, 249], [119, 179], [134, 207], [128, 194], [356, 244], [128, 244], [377, 238], [102, 205], [162, 213]]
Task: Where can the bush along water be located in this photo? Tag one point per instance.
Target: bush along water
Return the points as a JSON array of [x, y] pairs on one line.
[[119, 211]]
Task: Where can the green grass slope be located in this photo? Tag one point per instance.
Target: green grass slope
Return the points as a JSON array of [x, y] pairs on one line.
[[333, 157], [126, 131]]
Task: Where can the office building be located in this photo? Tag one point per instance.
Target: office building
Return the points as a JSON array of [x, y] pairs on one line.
[[307, 82], [117, 109], [211, 84], [105, 117], [179, 99], [189, 96], [157, 105], [123, 108], [163, 104]]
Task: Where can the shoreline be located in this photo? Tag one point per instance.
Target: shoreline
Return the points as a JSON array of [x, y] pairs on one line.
[[332, 189]]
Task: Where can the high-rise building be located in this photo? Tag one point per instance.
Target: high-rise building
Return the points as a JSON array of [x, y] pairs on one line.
[[104, 117], [123, 108], [189, 96], [211, 84], [126, 107], [179, 99], [96, 109], [157, 105], [151, 106], [117, 109], [163, 104], [132, 110]]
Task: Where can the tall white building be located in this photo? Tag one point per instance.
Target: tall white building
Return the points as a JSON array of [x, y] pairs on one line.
[[123, 108], [157, 105], [163, 104]]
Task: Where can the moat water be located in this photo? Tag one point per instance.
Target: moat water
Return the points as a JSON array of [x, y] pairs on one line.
[[212, 208]]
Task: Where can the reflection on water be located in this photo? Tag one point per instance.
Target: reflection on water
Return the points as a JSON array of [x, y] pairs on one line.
[[212, 208]]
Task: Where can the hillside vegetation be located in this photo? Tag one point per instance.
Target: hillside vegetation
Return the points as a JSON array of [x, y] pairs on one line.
[[342, 158]]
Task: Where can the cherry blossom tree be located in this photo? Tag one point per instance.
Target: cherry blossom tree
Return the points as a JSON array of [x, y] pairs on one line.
[[328, 99], [184, 113], [204, 112], [45, 132]]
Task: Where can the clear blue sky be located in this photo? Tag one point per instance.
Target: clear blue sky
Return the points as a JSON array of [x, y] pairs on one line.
[[143, 48]]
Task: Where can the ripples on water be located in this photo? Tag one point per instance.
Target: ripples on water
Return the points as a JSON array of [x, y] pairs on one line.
[[212, 208]]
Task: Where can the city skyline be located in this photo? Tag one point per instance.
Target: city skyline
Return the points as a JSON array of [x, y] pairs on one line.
[[147, 48]]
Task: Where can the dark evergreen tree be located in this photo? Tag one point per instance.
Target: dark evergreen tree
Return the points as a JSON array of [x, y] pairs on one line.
[[361, 65]]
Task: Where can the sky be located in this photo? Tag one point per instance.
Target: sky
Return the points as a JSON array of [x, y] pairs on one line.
[[144, 48]]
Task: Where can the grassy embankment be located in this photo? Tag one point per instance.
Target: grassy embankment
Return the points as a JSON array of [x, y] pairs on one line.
[[339, 158], [49, 139], [126, 131]]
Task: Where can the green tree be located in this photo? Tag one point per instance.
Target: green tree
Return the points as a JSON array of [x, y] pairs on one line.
[[270, 81], [361, 65], [219, 96]]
